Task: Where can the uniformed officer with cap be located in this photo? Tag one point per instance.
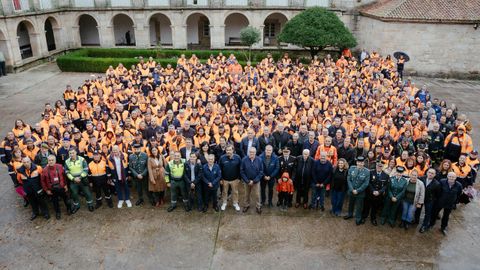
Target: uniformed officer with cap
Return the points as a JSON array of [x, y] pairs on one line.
[[137, 163], [357, 179], [375, 192], [395, 192]]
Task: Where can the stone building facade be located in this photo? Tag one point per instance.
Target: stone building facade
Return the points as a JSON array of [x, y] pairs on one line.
[[36, 29]]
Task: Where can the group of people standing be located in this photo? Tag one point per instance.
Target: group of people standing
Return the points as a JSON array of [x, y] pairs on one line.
[[284, 133]]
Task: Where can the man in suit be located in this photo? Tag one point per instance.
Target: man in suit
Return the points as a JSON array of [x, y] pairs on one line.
[[450, 192], [188, 149], [265, 139], [248, 142], [193, 181], [375, 193], [281, 138], [432, 193]]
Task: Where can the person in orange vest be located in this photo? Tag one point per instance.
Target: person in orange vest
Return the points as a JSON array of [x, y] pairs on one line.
[[97, 169], [29, 175], [462, 170], [457, 143]]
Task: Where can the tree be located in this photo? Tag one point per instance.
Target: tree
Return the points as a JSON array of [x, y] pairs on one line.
[[249, 36], [315, 29]]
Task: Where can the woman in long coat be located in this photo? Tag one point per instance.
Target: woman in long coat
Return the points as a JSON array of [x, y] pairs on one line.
[[156, 175]]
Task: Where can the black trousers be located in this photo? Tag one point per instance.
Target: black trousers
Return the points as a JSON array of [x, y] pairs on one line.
[[445, 217], [372, 206], [57, 194], [283, 198], [302, 195], [100, 185], [38, 203], [263, 186], [3, 69]]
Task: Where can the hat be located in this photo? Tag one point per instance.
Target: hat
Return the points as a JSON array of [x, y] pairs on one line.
[[137, 145], [361, 158], [474, 152], [76, 130], [285, 149], [400, 169], [96, 152], [44, 145]]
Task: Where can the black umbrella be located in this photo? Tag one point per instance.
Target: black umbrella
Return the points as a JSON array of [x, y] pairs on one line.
[[405, 56]]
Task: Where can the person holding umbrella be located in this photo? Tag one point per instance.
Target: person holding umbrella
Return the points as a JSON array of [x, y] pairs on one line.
[[401, 59]]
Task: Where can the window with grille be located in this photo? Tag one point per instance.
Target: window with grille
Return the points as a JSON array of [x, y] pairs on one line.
[[206, 29], [269, 30]]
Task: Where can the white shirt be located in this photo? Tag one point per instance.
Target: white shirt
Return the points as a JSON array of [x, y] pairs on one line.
[[118, 166]]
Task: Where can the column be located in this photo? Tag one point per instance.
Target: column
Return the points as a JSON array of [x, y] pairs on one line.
[[107, 37], [179, 36], [217, 36]]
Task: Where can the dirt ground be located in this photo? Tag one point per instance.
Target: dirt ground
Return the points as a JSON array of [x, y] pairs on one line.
[[147, 238]]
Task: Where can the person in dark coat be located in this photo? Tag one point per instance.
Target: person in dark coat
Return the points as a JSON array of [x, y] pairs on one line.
[[322, 175], [271, 168], [265, 139], [295, 146], [211, 180], [450, 192], [281, 139], [193, 181], [303, 176], [29, 175], [346, 151], [339, 186], [375, 193], [187, 149], [432, 193], [248, 142], [251, 171]]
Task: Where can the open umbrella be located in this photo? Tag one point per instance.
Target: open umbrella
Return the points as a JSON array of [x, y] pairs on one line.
[[405, 56]]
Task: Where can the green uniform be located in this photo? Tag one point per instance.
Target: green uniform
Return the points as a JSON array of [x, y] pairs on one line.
[[137, 164], [175, 175], [358, 179], [78, 168], [396, 188]]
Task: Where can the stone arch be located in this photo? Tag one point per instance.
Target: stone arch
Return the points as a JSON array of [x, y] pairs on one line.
[[272, 26], [198, 30], [234, 23], [52, 33], [123, 29], [88, 30], [27, 39], [160, 29]]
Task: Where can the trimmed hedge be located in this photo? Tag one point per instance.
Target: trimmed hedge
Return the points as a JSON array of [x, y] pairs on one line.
[[99, 59]]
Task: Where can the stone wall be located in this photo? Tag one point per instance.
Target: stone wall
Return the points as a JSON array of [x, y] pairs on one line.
[[434, 49]]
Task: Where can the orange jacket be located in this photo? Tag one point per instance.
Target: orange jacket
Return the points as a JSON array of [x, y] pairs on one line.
[[285, 184]]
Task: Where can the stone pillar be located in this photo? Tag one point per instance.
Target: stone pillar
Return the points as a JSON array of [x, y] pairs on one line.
[[217, 36], [142, 37], [259, 44], [75, 40], [179, 36], [107, 37], [16, 56]]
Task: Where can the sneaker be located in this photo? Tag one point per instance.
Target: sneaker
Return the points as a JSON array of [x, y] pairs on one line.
[[120, 204], [223, 206], [129, 203], [237, 207]]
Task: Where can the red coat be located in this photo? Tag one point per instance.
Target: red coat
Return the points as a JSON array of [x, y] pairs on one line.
[[49, 174], [285, 186]]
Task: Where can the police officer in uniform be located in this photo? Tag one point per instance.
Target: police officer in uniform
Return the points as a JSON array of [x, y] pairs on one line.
[[395, 192], [375, 192], [137, 163], [97, 169], [175, 178], [358, 178], [287, 165]]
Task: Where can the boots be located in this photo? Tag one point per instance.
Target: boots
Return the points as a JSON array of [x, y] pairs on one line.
[[110, 203], [98, 204]]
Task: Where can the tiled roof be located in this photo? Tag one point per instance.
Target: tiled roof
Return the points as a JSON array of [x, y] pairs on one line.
[[425, 10]]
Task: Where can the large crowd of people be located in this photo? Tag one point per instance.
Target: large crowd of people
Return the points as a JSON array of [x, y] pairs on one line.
[[347, 128]]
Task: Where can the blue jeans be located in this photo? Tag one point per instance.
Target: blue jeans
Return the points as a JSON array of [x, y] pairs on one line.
[[123, 191], [408, 210], [318, 195], [337, 202]]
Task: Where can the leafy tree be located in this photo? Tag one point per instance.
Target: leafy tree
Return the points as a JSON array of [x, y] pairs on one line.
[[317, 28], [249, 36]]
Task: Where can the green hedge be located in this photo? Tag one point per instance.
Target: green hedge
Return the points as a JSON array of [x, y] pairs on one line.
[[99, 59]]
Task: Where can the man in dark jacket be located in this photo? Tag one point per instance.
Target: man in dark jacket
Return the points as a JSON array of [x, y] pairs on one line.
[[251, 171], [265, 139], [281, 138], [346, 151], [432, 193], [295, 146], [287, 164], [187, 149], [322, 175], [248, 142], [137, 163], [211, 181], [450, 192], [302, 178], [193, 181], [230, 166], [271, 168], [375, 193]]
